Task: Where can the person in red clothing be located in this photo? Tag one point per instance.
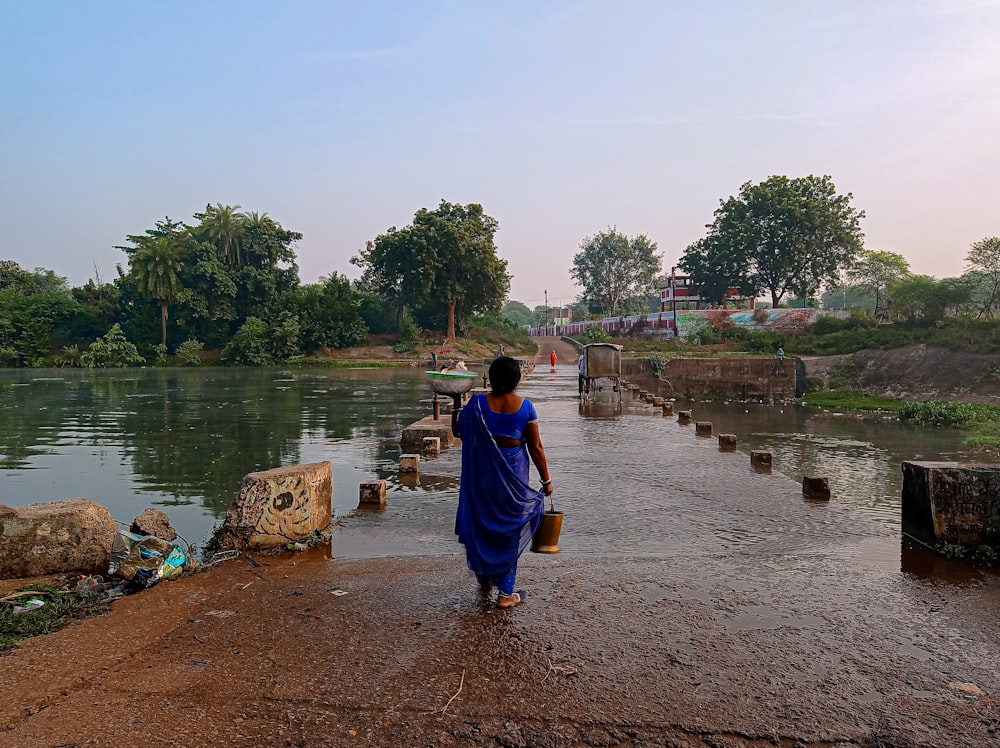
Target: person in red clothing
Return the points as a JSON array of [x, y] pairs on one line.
[[552, 359]]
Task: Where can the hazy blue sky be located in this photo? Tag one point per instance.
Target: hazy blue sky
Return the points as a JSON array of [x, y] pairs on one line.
[[560, 118]]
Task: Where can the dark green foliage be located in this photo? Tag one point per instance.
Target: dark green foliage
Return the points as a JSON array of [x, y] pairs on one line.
[[329, 314], [111, 351], [595, 334], [951, 415], [848, 399], [189, 352], [250, 346]]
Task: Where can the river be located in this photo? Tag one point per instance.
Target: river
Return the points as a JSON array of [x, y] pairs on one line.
[[632, 482]]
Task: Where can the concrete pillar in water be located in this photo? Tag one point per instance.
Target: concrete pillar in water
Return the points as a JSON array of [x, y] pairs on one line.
[[432, 446], [727, 442], [760, 460], [657, 402], [649, 398], [952, 502], [668, 409], [703, 428], [642, 394], [409, 463], [684, 416], [372, 493], [815, 488]]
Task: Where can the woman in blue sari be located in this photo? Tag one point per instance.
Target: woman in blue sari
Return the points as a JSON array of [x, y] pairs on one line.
[[498, 511]]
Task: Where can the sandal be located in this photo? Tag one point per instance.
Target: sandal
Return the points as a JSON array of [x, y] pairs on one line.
[[509, 601]]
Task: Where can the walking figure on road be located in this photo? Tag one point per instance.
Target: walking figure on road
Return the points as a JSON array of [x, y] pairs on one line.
[[552, 360], [498, 512]]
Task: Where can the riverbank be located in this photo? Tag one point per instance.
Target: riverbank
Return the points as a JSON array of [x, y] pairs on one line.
[[314, 650]]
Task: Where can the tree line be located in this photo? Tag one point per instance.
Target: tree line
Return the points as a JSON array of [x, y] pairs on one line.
[[796, 240], [228, 281]]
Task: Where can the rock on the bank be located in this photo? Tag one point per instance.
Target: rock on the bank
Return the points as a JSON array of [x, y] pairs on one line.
[[280, 506], [53, 537], [154, 522]]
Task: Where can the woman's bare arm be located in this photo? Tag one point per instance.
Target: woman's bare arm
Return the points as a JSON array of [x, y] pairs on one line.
[[533, 441]]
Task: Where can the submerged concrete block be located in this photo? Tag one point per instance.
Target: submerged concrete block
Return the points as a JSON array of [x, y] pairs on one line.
[[952, 502], [684, 416], [657, 402], [727, 442], [409, 463], [703, 428], [412, 438], [815, 488], [668, 408], [372, 492], [760, 460], [73, 535], [432, 446], [276, 507]]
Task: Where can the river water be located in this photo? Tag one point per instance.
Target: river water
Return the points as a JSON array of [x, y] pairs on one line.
[[631, 482]]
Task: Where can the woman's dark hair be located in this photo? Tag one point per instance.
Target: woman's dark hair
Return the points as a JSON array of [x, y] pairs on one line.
[[505, 374]]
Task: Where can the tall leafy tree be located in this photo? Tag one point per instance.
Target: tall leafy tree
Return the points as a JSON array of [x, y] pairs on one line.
[[875, 272], [518, 313], [617, 272], [156, 266], [782, 235], [223, 226], [983, 260], [447, 256]]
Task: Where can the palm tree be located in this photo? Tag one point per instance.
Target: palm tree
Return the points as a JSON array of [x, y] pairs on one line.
[[156, 266], [223, 226]]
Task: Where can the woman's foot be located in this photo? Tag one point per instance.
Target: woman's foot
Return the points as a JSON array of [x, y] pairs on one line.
[[509, 601]]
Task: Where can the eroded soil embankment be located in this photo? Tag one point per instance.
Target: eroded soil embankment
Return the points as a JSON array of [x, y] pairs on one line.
[[915, 373]]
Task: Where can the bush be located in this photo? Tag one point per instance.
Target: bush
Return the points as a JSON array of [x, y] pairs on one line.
[[111, 351], [409, 335], [250, 345], [595, 334], [189, 352]]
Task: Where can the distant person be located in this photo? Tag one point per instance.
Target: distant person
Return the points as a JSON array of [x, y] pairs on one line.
[[501, 351], [498, 511], [781, 355], [581, 368], [552, 360]]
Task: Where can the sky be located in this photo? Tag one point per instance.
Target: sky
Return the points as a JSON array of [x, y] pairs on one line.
[[342, 119]]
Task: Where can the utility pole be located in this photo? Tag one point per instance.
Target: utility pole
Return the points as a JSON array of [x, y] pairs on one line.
[[546, 311], [673, 296]]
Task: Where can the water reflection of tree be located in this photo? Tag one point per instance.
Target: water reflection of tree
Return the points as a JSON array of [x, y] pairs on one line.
[[197, 436]]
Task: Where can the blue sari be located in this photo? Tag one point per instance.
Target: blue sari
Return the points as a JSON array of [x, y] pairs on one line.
[[498, 511]]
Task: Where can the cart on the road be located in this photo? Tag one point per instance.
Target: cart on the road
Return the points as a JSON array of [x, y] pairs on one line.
[[601, 361]]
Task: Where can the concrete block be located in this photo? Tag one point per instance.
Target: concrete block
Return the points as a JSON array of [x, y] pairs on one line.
[[816, 488], [649, 398], [684, 416], [372, 493], [703, 428], [760, 460], [657, 402], [432, 446], [727, 442], [409, 463], [668, 409], [54, 537], [276, 507], [154, 522], [412, 438], [952, 502]]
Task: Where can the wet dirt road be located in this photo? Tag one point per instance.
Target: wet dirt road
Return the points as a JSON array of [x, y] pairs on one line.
[[733, 614]]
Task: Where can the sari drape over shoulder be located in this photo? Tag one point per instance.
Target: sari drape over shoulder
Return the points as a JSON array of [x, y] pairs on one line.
[[498, 511]]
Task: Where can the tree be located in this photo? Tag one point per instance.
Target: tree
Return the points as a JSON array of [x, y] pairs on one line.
[[112, 350], [875, 272], [446, 256], [16, 278], [782, 235], [518, 313], [223, 226], [983, 259], [156, 266], [616, 271], [924, 300], [714, 269]]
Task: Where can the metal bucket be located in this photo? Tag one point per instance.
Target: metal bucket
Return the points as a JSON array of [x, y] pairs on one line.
[[546, 537]]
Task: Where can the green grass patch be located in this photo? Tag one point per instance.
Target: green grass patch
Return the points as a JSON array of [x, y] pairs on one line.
[[60, 608], [852, 400], [953, 415]]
